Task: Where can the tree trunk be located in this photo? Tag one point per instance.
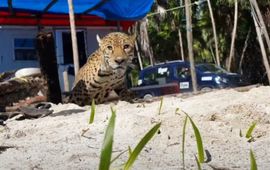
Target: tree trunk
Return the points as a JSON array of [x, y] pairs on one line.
[[259, 34], [48, 66], [214, 32], [144, 40], [190, 47], [263, 28], [233, 35], [181, 44]]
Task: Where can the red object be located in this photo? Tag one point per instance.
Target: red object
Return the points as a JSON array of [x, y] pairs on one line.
[[28, 19]]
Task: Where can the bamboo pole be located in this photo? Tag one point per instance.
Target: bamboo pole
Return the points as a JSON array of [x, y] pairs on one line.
[[214, 32], [233, 35], [73, 37], [181, 44], [263, 28], [259, 34], [139, 55], [190, 48]]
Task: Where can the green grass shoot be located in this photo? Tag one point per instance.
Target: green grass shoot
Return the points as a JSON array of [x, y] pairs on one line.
[[198, 163], [160, 105], [198, 138], [177, 110], [183, 141], [253, 164], [106, 151], [198, 141], [250, 130], [93, 112], [140, 146]]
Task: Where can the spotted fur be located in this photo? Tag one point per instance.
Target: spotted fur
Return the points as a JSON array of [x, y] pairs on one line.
[[105, 69]]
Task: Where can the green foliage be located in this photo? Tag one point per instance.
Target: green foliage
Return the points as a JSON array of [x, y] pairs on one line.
[[253, 164], [93, 111], [140, 146], [107, 145]]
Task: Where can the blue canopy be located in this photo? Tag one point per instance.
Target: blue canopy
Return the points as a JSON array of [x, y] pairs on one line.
[[107, 9]]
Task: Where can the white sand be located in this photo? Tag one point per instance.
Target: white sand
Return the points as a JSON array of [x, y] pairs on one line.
[[55, 142]]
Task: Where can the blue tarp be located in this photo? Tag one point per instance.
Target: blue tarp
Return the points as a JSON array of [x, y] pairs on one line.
[[107, 9]]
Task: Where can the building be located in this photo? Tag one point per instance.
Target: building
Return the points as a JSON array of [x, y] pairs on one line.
[[18, 35]]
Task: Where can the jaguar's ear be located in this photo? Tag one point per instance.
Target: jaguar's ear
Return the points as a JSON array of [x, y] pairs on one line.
[[98, 39]]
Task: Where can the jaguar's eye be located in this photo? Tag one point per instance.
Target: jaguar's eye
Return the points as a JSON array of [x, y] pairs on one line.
[[126, 46], [109, 47]]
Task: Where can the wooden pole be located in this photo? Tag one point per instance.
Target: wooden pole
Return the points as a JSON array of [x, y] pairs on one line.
[[263, 28], [139, 55], [73, 37], [259, 34], [181, 44], [233, 35], [214, 32], [190, 48]]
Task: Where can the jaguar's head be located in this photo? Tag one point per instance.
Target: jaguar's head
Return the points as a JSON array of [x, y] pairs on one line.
[[118, 49]]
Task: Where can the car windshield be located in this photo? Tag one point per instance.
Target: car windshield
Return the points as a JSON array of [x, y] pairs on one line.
[[211, 68]]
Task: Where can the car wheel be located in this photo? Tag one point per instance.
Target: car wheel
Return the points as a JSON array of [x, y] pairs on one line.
[[206, 89], [147, 96]]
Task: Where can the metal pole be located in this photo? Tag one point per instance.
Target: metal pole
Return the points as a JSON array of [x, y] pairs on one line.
[[73, 37], [190, 48]]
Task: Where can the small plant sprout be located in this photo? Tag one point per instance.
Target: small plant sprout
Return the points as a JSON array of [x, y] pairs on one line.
[[198, 140], [106, 151], [134, 154], [177, 110], [198, 163], [93, 112], [253, 164], [160, 105], [250, 130]]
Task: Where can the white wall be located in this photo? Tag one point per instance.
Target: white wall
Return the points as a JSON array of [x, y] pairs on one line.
[[8, 33], [7, 58]]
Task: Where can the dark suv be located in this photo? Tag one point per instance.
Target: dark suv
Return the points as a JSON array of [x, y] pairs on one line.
[[209, 76]]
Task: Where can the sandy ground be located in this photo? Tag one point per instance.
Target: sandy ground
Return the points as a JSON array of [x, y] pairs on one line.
[[56, 141]]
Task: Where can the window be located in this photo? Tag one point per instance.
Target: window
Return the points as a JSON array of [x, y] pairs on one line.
[[24, 49], [183, 72], [159, 76]]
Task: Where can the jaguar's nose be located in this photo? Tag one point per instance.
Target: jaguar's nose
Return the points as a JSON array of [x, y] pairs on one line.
[[119, 60]]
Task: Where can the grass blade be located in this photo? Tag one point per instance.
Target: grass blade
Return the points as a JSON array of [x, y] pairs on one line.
[[106, 152], [250, 130], [253, 164], [129, 150], [140, 146], [198, 141], [93, 111], [183, 141], [198, 163], [160, 105]]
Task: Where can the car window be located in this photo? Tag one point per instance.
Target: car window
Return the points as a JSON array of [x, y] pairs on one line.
[[183, 72], [159, 76], [211, 68]]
